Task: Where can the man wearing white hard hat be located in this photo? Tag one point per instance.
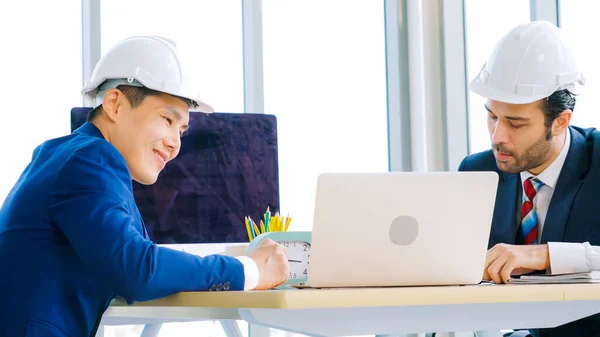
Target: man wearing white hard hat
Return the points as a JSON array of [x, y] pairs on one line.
[[546, 214], [71, 236]]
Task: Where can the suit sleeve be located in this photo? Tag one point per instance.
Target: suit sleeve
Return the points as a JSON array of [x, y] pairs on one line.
[[89, 205]]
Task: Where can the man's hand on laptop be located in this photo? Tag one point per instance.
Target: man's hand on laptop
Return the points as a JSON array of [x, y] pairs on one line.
[[272, 263], [504, 260]]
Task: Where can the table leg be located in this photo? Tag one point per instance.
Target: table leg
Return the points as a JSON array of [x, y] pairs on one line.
[[258, 331], [151, 330], [231, 328]]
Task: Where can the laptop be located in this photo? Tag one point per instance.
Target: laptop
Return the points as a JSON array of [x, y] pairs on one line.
[[401, 229]]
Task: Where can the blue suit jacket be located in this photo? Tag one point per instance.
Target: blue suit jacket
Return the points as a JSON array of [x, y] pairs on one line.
[[572, 214], [71, 239]]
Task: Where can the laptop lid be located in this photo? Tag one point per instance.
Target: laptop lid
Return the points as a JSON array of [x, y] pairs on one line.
[[401, 228], [227, 168]]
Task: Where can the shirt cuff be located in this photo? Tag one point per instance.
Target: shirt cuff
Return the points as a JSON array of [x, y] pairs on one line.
[[250, 272], [567, 258]]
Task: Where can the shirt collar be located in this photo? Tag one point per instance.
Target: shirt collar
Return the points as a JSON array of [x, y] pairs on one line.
[[550, 175]]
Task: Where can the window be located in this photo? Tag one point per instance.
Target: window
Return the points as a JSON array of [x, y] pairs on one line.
[[325, 80], [483, 31], [41, 79], [580, 22], [215, 60]]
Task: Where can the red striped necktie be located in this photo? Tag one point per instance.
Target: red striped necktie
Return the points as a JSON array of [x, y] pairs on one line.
[[529, 218]]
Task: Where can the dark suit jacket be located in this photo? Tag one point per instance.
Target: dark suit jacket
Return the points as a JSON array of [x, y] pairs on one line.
[[71, 239], [572, 216]]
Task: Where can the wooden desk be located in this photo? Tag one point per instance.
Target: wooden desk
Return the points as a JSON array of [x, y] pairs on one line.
[[370, 311]]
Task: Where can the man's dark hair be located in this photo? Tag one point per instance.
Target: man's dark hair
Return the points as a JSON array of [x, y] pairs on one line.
[[135, 96], [556, 103]]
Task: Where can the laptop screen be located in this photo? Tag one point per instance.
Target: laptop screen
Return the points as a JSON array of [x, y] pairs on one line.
[[227, 169]]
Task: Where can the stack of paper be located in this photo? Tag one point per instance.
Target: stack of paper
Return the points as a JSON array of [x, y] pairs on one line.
[[588, 277]]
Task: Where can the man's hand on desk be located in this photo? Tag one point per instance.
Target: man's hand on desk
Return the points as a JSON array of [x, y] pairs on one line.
[[504, 260], [272, 263]]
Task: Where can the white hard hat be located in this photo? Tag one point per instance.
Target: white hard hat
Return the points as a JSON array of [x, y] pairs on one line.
[[529, 63], [149, 61]]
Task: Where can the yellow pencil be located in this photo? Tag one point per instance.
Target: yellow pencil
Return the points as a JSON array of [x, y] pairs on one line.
[[287, 223], [262, 226], [256, 230], [275, 224], [248, 228]]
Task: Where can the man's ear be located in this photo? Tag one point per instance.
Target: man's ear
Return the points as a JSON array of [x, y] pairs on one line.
[[561, 122], [114, 101]]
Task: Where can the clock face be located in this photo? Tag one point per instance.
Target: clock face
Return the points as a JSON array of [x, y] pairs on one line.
[[298, 253]]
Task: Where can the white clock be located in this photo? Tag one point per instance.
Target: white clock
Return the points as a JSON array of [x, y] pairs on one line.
[[297, 248]]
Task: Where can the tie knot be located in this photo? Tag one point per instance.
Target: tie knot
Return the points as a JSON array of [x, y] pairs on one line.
[[531, 186]]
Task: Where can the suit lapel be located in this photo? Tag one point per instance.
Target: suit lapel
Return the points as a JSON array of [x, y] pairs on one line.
[[503, 229], [567, 186]]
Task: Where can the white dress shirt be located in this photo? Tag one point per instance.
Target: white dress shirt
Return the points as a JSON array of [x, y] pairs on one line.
[[250, 272], [564, 257]]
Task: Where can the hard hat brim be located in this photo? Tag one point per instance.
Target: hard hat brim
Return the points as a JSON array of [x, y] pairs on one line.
[[481, 89], [202, 107], [90, 90]]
